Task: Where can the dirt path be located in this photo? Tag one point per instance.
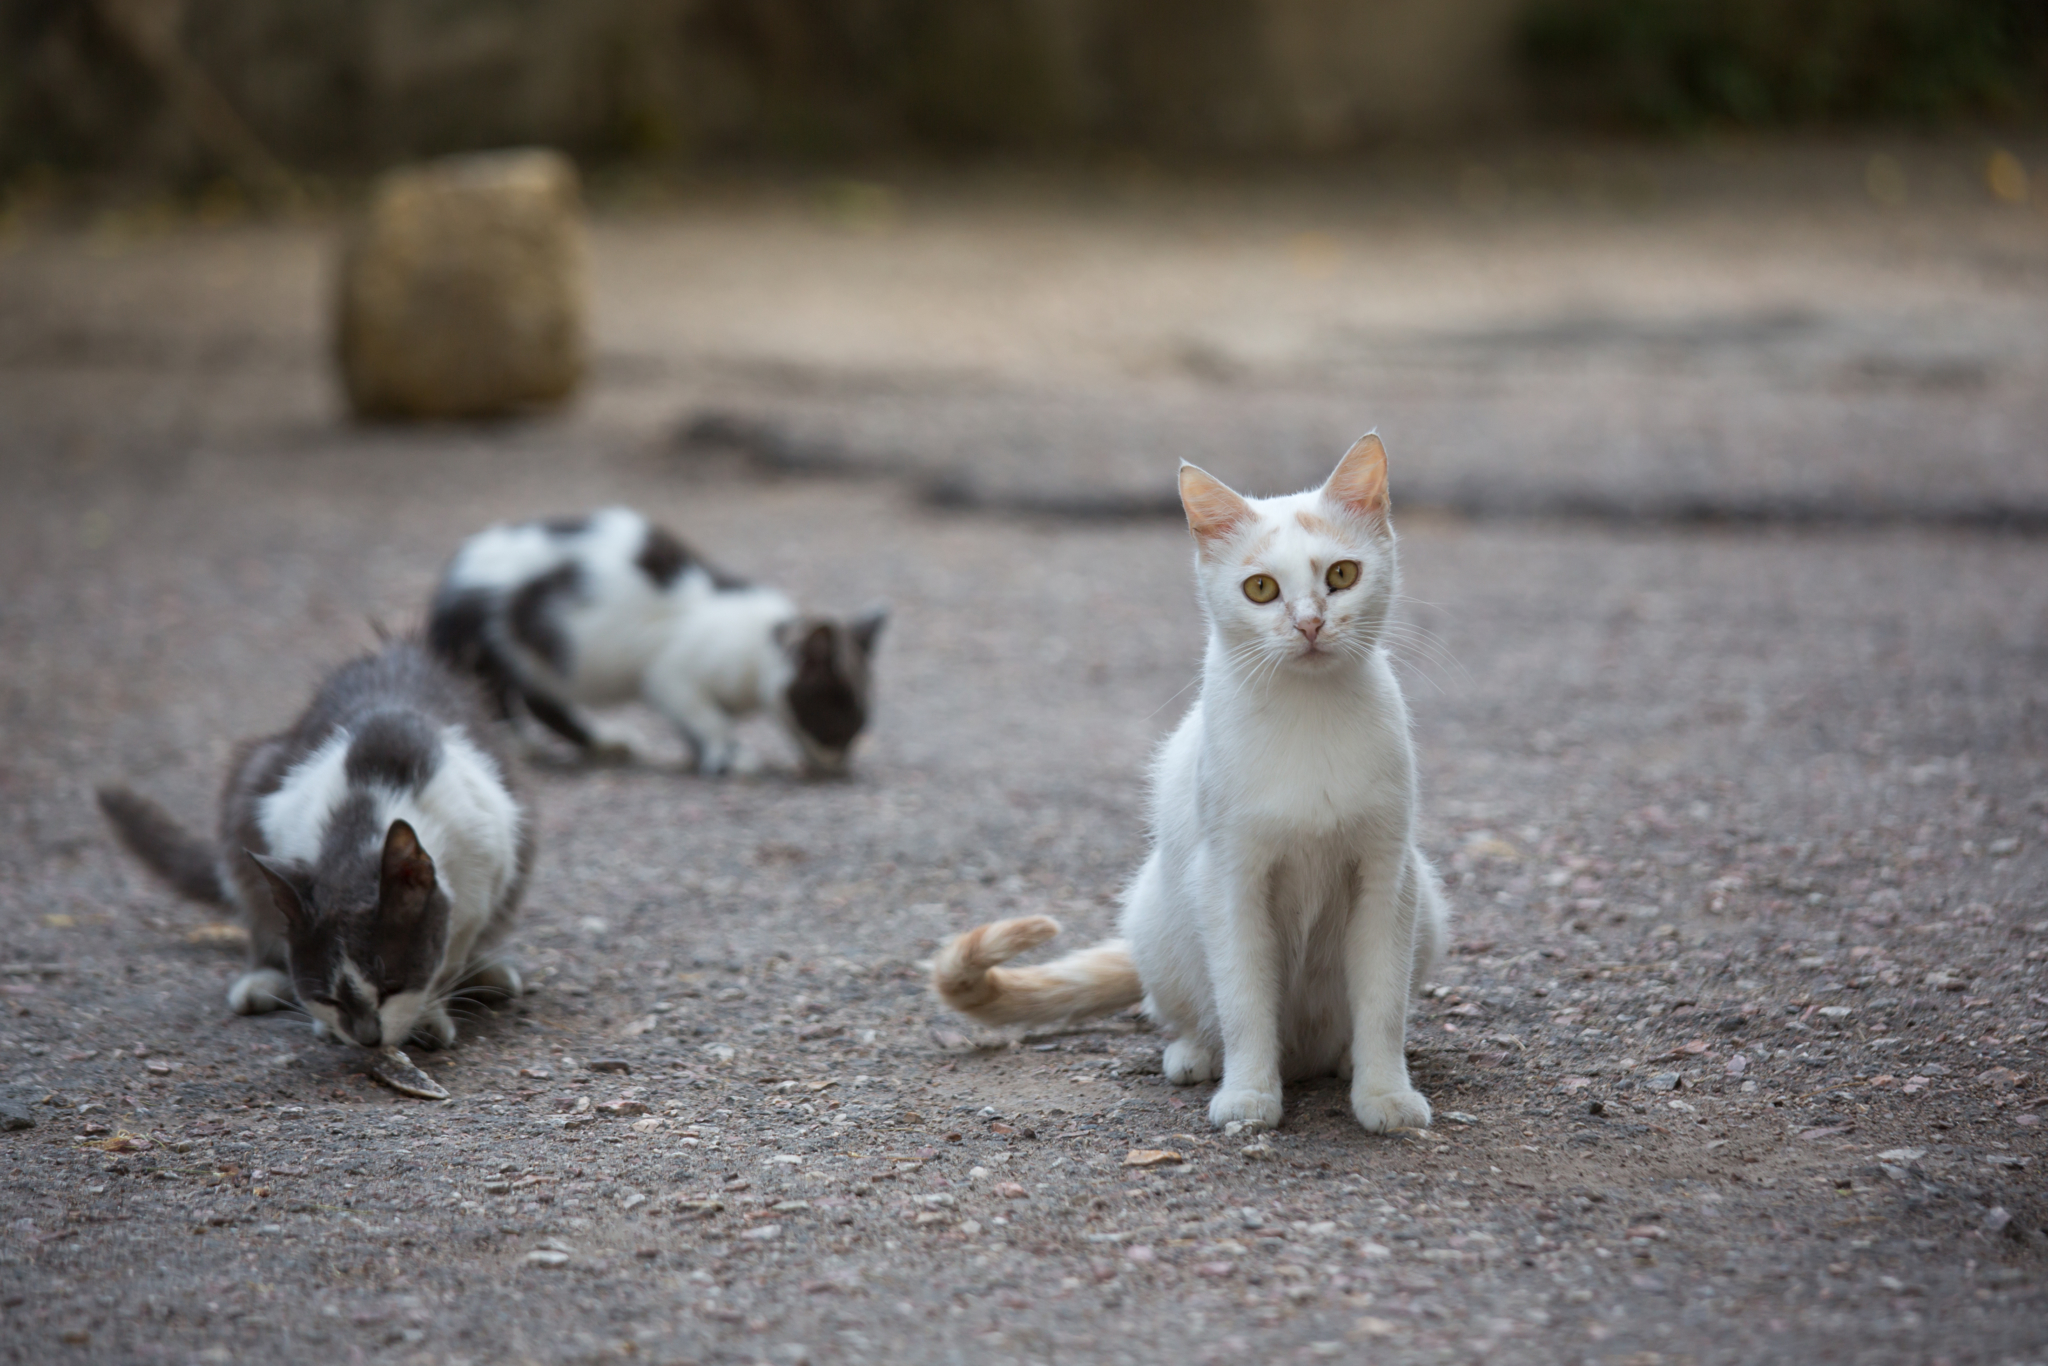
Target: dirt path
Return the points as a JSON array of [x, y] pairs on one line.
[[1739, 1058]]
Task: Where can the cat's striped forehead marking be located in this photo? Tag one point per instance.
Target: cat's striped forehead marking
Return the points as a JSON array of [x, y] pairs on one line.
[[1316, 525], [1257, 548]]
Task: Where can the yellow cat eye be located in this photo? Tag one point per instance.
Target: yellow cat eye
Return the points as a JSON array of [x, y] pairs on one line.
[[1261, 588], [1342, 574]]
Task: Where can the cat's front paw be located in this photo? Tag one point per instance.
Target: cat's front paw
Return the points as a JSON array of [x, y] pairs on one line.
[[260, 992], [1242, 1105], [434, 1030], [1383, 1112], [1187, 1062]]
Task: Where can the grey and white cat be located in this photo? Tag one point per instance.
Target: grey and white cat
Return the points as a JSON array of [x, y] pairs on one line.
[[375, 850], [1285, 914], [560, 615]]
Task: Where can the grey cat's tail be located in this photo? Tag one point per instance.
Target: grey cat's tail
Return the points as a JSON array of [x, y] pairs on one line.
[[1090, 981], [171, 851]]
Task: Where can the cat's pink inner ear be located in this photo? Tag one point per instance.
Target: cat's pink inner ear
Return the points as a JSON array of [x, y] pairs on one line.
[[406, 865], [1359, 483], [1214, 509]]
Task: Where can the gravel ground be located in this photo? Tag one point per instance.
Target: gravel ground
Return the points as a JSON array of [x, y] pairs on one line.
[[1739, 1056]]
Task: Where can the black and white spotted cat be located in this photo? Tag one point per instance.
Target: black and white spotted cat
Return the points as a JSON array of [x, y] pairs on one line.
[[375, 850], [593, 611]]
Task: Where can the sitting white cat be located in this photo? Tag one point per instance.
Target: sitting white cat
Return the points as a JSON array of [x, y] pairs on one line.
[[556, 616], [1285, 916]]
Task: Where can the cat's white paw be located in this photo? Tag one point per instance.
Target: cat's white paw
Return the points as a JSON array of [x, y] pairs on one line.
[[260, 992], [496, 978], [324, 1032], [1384, 1111], [1252, 1109], [745, 763], [1188, 1062], [434, 1029]]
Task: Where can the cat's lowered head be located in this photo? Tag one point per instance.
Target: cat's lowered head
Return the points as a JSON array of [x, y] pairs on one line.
[[572, 613], [375, 850]]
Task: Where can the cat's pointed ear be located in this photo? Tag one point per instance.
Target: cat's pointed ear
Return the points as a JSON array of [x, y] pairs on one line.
[[1359, 483], [1214, 509], [816, 650], [867, 626], [407, 878], [283, 879]]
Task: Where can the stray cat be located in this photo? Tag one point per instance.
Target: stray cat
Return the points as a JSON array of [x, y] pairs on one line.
[[374, 850], [1285, 915], [598, 610]]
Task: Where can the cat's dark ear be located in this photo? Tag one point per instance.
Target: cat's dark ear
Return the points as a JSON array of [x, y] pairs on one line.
[[407, 879], [1359, 483], [1214, 509], [284, 881], [815, 651], [866, 627]]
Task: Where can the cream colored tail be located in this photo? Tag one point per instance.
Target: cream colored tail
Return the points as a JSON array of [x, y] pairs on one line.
[[1090, 981]]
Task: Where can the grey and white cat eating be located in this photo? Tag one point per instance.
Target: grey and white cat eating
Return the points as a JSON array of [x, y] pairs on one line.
[[375, 850], [560, 615]]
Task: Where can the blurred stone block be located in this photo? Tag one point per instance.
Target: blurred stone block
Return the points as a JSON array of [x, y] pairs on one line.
[[462, 294]]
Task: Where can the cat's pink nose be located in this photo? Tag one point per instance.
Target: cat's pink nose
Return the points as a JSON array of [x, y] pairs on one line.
[[1310, 627]]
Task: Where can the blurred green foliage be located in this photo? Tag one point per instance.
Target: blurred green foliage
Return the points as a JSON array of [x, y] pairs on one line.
[[1686, 64]]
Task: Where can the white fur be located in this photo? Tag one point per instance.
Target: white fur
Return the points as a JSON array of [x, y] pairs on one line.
[[466, 821], [1285, 914], [701, 656]]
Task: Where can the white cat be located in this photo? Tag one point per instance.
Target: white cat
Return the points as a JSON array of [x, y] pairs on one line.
[[591, 611], [1285, 915]]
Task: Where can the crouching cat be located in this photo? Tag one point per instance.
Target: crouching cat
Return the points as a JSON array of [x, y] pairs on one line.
[[1285, 915], [593, 611], [375, 851]]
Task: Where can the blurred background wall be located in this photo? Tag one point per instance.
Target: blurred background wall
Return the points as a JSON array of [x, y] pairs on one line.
[[176, 86]]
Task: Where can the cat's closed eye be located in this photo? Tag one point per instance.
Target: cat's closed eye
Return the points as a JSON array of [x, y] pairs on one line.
[[1342, 574], [1263, 587]]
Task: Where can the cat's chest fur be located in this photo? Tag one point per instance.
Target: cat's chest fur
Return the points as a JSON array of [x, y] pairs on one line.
[[1328, 762]]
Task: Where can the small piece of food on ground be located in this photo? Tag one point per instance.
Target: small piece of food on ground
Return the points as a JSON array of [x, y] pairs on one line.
[[1151, 1157], [395, 1070]]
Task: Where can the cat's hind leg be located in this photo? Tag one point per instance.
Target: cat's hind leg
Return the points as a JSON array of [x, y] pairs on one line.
[[260, 991], [1432, 915], [494, 979], [1190, 1060]]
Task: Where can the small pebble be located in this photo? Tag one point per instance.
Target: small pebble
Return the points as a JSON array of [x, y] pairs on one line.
[[609, 1065], [547, 1257]]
